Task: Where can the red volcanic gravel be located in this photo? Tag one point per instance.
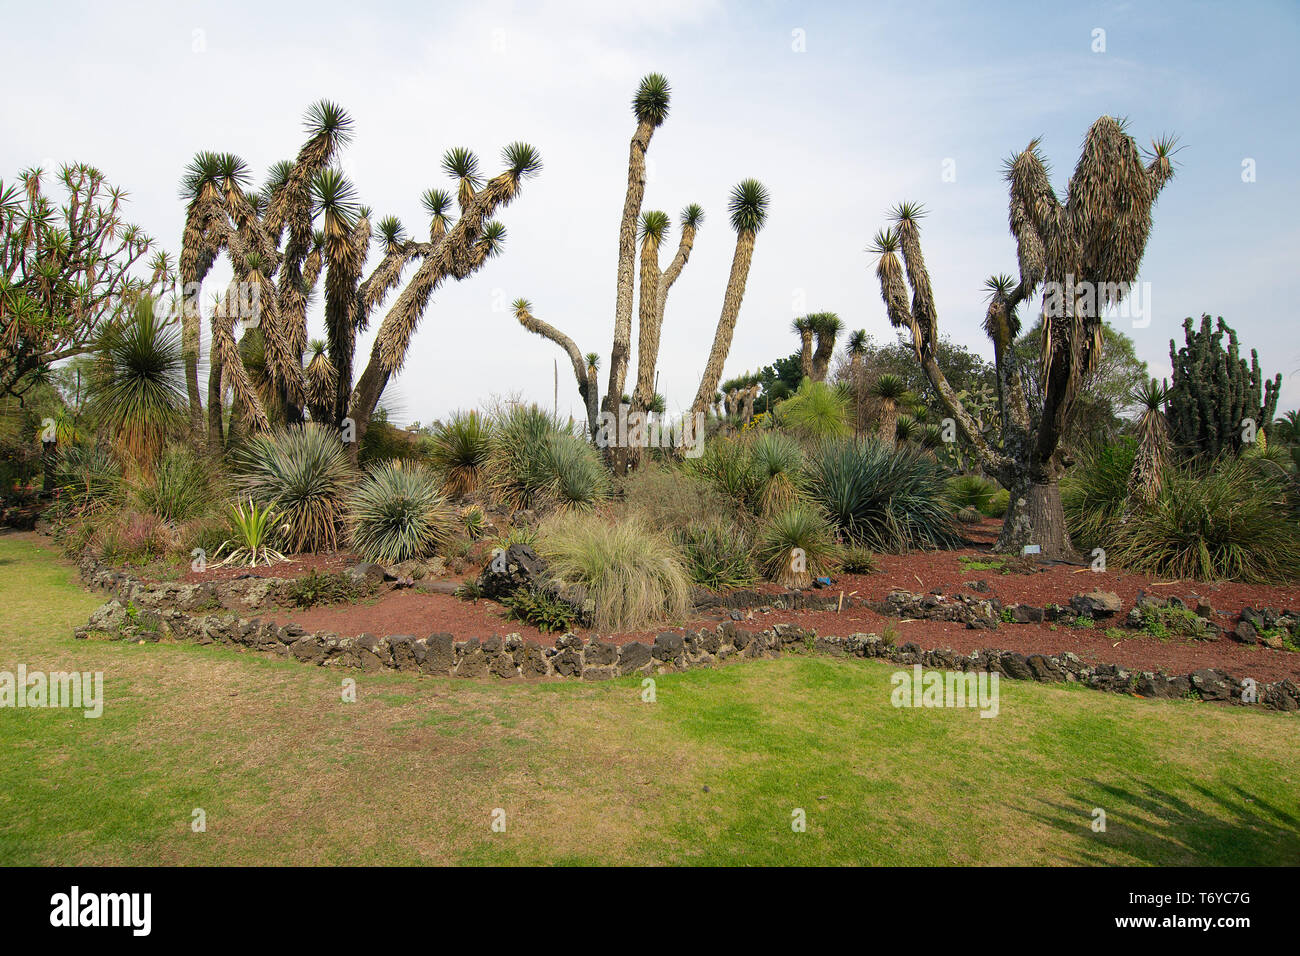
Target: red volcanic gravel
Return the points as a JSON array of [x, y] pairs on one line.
[[413, 612]]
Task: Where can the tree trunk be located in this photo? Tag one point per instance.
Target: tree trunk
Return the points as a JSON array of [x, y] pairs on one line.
[[726, 322], [1035, 516], [216, 439], [619, 353]]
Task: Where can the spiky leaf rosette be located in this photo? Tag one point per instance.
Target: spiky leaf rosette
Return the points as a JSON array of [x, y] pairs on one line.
[[795, 545], [396, 514], [650, 104], [692, 216], [654, 226], [748, 206]]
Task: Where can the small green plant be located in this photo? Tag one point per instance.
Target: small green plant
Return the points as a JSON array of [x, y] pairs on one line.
[[323, 587], [475, 522], [254, 530], [1083, 622], [857, 560], [541, 609], [469, 590], [889, 635], [717, 554], [1116, 634], [1007, 616], [795, 546]]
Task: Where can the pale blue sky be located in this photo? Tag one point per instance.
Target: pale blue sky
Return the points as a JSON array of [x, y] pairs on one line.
[[864, 117]]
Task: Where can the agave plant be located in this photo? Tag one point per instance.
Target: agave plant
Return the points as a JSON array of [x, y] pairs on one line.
[[460, 450], [777, 464], [884, 498], [138, 389], [304, 471], [396, 514], [254, 531], [1153, 442], [816, 412], [795, 546]]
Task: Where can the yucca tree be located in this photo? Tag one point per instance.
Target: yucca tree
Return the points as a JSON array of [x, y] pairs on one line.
[[1081, 253], [660, 283], [748, 209], [584, 367], [802, 327], [1153, 443], [137, 390], [274, 246], [826, 326], [890, 391], [650, 107], [857, 347]]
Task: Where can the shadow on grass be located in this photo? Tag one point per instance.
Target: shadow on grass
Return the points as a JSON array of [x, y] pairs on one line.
[[1158, 828]]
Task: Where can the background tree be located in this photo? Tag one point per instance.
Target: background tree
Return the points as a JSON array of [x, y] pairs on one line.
[[803, 328], [890, 391], [1082, 253], [278, 256], [67, 271], [826, 326]]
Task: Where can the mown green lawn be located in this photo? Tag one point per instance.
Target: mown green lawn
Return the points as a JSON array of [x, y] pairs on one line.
[[710, 773]]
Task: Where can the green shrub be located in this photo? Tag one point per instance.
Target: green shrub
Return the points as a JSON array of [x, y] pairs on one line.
[[795, 546], [998, 504], [304, 471], [969, 491], [1230, 522], [533, 461], [1095, 492], [673, 497], [777, 464], [396, 514], [815, 412], [460, 450], [728, 465], [323, 587], [541, 609], [717, 553], [180, 487], [886, 499], [633, 575], [254, 531], [89, 475], [474, 522], [855, 559]]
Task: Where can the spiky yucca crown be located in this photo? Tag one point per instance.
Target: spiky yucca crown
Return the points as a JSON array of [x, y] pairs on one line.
[[652, 98], [748, 206], [654, 226]]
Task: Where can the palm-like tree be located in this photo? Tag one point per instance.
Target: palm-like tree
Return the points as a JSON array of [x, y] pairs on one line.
[[274, 246], [584, 366], [748, 208], [1153, 443], [1082, 254], [802, 327], [826, 326], [890, 391], [650, 106], [857, 346], [138, 388], [1287, 428]]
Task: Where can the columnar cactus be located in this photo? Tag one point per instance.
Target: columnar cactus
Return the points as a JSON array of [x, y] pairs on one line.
[[1214, 392]]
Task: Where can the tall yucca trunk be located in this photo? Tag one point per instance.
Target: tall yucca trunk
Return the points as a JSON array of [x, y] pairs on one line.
[[806, 353], [888, 430], [726, 321], [821, 359], [619, 353], [650, 318]]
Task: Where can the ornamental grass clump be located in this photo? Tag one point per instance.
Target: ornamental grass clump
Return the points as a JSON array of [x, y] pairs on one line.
[[797, 545], [304, 471], [634, 576]]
